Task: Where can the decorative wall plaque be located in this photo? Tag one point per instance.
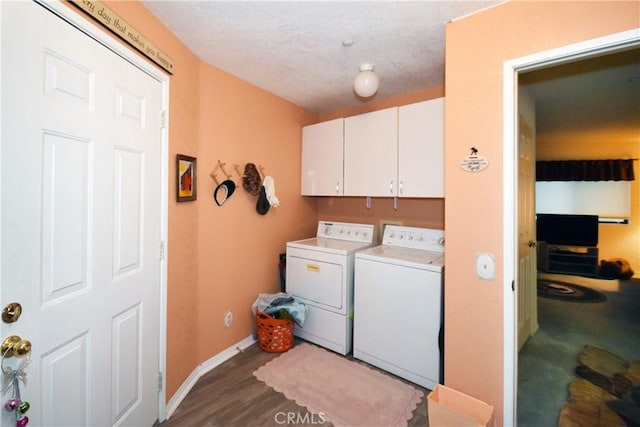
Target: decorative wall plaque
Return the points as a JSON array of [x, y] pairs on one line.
[[118, 26], [474, 162]]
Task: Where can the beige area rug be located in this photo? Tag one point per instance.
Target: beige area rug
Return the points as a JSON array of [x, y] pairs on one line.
[[342, 391]]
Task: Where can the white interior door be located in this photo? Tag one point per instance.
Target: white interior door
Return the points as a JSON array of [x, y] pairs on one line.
[[80, 222], [527, 275]]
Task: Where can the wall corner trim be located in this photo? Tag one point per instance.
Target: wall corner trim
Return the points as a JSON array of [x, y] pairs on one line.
[[202, 369]]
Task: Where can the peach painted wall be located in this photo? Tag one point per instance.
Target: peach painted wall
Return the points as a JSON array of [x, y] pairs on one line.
[[476, 48], [238, 248], [220, 258]]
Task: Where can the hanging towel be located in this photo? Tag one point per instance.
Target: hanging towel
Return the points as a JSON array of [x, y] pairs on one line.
[[270, 190], [272, 303]]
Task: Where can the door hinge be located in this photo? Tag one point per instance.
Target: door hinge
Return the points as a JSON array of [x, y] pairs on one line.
[[163, 119], [159, 381], [162, 249]]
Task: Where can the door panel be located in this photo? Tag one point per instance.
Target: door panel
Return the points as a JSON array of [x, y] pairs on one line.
[[316, 281], [323, 159], [371, 154], [394, 304], [421, 149], [527, 296], [65, 228], [66, 369], [128, 215], [127, 333], [80, 221]]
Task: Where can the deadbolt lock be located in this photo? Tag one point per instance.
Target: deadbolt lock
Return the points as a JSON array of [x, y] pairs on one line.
[[11, 312], [14, 345]]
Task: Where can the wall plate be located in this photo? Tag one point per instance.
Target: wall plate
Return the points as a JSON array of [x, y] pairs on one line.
[[228, 319], [486, 266]]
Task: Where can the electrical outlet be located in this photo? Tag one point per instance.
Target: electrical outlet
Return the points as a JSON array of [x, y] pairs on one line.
[[228, 319]]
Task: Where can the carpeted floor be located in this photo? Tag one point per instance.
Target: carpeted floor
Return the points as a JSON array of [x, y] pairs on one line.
[[569, 292], [547, 361]]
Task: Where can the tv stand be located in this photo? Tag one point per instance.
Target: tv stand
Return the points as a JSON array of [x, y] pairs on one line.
[[578, 260]]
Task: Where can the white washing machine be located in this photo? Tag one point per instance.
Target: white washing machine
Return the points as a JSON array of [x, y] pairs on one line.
[[398, 304], [320, 274]]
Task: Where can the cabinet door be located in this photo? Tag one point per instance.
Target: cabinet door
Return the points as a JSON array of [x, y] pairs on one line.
[[322, 159], [371, 153], [421, 149]]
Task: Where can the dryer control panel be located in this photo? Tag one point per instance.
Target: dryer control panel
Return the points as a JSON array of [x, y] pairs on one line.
[[345, 231], [426, 239]]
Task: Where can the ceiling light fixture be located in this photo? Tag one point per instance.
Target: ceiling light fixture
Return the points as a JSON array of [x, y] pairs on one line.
[[367, 82]]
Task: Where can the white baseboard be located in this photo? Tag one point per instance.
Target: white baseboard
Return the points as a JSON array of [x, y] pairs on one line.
[[202, 369]]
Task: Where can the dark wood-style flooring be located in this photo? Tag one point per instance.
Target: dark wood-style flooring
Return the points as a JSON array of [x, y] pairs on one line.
[[230, 396]]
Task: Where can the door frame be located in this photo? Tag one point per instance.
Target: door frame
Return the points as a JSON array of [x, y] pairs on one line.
[[85, 25], [511, 69]]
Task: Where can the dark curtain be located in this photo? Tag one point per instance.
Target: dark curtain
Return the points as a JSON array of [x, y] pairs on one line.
[[585, 170]]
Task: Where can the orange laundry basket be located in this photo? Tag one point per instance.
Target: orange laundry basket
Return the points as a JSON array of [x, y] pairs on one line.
[[274, 335]]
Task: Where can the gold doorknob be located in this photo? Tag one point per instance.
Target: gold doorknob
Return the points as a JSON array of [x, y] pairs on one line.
[[11, 312], [22, 347], [14, 345]]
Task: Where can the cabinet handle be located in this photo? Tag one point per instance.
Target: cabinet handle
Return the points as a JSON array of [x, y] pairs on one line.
[[400, 187], [338, 187], [391, 187]]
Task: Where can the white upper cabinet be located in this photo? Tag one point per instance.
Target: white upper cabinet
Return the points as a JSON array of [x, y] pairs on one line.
[[371, 154], [421, 149], [395, 152], [322, 159]]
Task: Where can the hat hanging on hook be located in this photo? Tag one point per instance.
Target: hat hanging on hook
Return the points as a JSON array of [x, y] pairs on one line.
[[223, 191]]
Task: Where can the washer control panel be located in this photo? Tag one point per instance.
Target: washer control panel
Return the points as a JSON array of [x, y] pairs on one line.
[[345, 231], [426, 239]]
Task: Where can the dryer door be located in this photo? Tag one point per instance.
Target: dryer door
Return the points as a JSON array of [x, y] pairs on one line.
[[315, 280]]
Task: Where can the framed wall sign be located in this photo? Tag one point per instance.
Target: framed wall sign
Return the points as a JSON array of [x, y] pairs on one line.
[[186, 178]]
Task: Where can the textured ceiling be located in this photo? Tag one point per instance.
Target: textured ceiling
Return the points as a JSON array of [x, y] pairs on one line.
[[294, 49], [592, 101]]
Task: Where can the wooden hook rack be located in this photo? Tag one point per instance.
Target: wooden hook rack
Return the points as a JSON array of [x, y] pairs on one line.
[[238, 171], [214, 176], [220, 166]]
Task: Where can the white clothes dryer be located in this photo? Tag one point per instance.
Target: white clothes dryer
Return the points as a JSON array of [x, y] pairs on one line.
[[319, 273], [398, 304]]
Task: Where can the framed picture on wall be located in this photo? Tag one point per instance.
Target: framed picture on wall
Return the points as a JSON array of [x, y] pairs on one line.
[[186, 176]]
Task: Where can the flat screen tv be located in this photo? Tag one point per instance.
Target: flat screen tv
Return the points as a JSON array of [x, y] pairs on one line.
[[570, 230]]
